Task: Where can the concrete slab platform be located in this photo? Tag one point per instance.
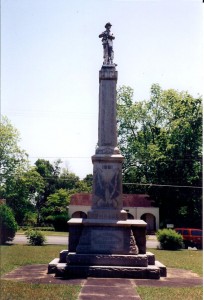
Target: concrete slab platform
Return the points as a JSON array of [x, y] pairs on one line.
[[175, 278], [117, 288], [38, 274]]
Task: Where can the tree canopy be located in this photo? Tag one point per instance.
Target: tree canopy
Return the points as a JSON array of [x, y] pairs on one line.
[[13, 160], [19, 183], [36, 194], [59, 183], [161, 139]]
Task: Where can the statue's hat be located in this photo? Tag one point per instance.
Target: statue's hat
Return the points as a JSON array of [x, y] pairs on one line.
[[108, 24]]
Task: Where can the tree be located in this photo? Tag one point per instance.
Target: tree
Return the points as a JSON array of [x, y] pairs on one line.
[[55, 209], [67, 180], [88, 180], [56, 203], [56, 181], [50, 174], [13, 160], [19, 183], [8, 225], [23, 193], [27, 189], [161, 140], [72, 183]]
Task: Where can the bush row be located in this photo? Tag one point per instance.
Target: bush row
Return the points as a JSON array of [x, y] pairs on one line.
[[25, 228]]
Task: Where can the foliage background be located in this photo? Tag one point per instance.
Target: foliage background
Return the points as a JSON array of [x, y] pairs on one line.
[[161, 139]]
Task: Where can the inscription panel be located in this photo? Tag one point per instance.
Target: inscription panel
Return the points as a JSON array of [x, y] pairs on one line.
[[106, 240]]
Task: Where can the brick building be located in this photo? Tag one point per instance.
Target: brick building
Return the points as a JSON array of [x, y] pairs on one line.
[[138, 206]]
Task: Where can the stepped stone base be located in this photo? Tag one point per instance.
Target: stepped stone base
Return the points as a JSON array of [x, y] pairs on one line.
[[107, 260], [107, 248], [141, 266], [68, 271]]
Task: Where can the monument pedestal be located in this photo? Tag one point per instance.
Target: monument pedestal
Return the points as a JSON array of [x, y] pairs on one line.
[[107, 244], [107, 248], [107, 236]]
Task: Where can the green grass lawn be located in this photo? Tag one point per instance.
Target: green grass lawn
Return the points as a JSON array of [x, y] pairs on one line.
[[166, 293], [24, 291], [18, 255], [184, 259]]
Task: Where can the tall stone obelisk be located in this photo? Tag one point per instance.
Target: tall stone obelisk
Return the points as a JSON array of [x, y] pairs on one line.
[[107, 161], [102, 233], [107, 244]]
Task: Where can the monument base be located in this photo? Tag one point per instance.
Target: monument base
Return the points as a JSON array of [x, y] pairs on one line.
[[107, 248], [108, 266]]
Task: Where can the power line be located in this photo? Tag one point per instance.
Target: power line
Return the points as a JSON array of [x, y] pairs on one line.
[[50, 111], [35, 113], [164, 185], [178, 159], [60, 157], [126, 183], [134, 183]]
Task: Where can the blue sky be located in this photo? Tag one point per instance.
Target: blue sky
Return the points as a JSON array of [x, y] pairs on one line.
[[51, 56]]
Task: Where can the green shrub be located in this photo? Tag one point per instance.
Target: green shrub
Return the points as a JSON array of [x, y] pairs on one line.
[[8, 225], [169, 239], [60, 222], [30, 219], [35, 237]]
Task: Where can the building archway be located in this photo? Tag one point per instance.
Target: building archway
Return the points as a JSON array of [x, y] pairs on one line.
[[79, 214], [130, 216], [151, 222]]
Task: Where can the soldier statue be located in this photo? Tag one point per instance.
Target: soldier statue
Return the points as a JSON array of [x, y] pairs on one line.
[[107, 41]]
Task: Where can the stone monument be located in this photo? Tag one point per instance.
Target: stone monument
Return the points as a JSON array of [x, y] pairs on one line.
[[107, 243]]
